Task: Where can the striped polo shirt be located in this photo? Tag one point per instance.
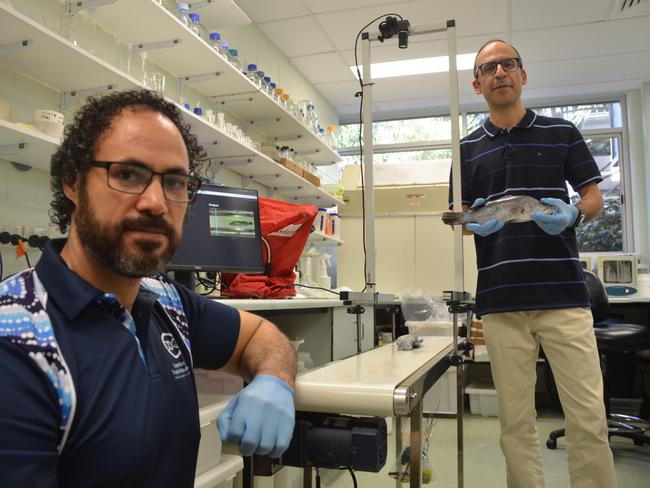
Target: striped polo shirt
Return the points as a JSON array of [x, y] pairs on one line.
[[521, 267]]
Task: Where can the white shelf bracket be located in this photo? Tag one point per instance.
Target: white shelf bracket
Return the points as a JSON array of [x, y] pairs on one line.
[[265, 178], [270, 121], [184, 80], [287, 189], [68, 97], [15, 47], [13, 148], [233, 99], [310, 152], [151, 46], [75, 6], [195, 5], [287, 138]]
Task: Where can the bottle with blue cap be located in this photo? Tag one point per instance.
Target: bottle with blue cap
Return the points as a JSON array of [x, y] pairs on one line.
[[184, 14], [195, 25], [267, 85], [217, 44], [251, 73]]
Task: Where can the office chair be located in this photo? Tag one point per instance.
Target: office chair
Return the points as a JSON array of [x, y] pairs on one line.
[[614, 338]]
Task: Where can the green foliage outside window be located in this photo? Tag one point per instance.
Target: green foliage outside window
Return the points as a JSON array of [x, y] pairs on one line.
[[604, 234]]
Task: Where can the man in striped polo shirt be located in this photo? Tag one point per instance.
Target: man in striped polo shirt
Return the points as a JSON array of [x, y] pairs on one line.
[[531, 289]]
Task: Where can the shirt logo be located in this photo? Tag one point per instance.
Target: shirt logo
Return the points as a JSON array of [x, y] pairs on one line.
[[170, 344]]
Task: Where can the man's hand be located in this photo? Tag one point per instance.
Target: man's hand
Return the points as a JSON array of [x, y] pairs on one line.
[[260, 418], [564, 216], [487, 228]]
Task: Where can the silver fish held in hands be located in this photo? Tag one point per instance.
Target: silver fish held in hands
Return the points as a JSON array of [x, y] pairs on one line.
[[513, 209]]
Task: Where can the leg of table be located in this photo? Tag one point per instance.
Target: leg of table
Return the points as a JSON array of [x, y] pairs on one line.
[[416, 447]]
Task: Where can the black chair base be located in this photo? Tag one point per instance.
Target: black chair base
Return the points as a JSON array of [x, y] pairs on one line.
[[627, 426]]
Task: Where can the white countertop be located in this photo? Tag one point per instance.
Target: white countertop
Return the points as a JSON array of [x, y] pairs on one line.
[[365, 384], [281, 304]]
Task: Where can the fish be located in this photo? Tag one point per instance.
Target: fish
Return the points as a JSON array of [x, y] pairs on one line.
[[513, 209]]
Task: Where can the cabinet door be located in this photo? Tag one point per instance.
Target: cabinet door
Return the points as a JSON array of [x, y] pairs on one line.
[[344, 332]]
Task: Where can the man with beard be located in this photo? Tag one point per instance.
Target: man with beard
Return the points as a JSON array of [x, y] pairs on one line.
[[97, 347]]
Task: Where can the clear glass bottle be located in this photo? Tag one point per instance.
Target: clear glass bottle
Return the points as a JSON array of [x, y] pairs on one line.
[[184, 14], [278, 94], [233, 57], [330, 139], [195, 25], [251, 73], [267, 85], [69, 26], [198, 110], [312, 118], [321, 132], [217, 44]]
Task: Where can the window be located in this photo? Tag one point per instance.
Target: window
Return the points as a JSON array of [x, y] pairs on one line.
[[601, 124]]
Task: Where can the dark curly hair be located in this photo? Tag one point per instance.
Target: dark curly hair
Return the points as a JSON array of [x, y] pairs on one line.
[[72, 158]]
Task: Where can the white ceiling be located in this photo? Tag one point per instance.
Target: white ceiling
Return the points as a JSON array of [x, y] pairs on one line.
[[573, 50]]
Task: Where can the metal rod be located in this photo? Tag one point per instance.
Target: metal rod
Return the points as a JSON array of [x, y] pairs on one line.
[[460, 409], [398, 449], [368, 172], [359, 338], [459, 278]]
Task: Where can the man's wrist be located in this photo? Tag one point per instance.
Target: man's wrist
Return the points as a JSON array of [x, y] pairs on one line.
[[580, 216]]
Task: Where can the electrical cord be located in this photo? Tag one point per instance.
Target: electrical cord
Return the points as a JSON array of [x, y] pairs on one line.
[[354, 478], [363, 183]]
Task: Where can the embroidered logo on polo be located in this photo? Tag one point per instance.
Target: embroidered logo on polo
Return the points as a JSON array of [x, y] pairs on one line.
[[25, 323], [171, 303], [170, 344]]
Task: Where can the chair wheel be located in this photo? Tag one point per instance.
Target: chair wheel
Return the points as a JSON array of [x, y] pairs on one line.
[[551, 443]]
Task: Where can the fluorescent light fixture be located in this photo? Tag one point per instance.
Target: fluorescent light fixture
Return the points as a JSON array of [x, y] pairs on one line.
[[420, 66]]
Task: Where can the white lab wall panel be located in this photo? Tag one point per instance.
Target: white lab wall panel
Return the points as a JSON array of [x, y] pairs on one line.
[[412, 252], [395, 243]]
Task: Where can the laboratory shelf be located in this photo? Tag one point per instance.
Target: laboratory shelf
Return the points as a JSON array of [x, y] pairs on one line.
[[187, 55], [26, 146], [225, 152], [322, 240], [52, 59], [68, 68]]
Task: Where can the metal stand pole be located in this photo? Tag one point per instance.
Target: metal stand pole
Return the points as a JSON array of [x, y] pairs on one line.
[[415, 479]]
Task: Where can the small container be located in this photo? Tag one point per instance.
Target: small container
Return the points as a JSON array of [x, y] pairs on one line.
[[335, 218], [321, 220], [195, 25], [217, 44], [198, 110], [233, 57], [184, 14], [251, 73]]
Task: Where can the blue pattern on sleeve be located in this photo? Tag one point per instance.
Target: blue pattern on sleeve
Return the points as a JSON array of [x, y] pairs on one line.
[[25, 322]]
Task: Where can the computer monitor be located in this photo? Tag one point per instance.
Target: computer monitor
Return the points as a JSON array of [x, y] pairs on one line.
[[618, 273], [221, 234]]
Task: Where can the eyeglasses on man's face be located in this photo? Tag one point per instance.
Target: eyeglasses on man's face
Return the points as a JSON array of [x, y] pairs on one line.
[[134, 178], [489, 68]]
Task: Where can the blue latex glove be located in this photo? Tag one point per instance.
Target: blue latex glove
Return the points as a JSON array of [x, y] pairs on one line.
[[564, 216], [260, 418], [489, 227]]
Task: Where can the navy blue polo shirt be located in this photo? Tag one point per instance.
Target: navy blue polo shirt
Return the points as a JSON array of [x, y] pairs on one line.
[[521, 267], [135, 422]]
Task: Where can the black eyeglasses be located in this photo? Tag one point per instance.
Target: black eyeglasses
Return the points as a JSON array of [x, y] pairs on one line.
[[134, 179], [489, 68]]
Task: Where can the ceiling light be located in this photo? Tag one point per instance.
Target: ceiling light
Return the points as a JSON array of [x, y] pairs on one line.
[[409, 67]]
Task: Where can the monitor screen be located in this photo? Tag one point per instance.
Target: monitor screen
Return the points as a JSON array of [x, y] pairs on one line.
[[222, 233]]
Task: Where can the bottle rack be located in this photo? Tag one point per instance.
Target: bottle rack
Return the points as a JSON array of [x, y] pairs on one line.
[[37, 52]]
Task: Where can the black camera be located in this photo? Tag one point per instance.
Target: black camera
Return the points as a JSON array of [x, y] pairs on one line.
[[392, 26]]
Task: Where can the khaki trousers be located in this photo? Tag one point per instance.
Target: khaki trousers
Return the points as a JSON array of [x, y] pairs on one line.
[[567, 336]]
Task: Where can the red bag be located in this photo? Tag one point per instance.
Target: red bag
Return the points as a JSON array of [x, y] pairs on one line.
[[285, 227]]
